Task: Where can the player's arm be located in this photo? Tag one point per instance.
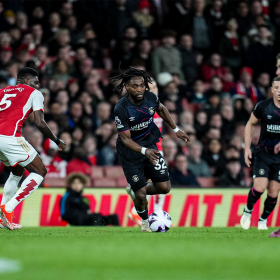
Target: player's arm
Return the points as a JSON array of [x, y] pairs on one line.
[[249, 130], [128, 142], [165, 115], [44, 128]]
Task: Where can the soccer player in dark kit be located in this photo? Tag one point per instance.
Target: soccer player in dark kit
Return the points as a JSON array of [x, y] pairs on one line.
[[138, 135], [266, 171]]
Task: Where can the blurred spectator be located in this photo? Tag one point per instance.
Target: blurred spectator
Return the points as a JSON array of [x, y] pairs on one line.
[[243, 18], [37, 34], [36, 140], [167, 58], [5, 56], [90, 145], [86, 101], [75, 209], [189, 58], [214, 157], [198, 94], [75, 33], [80, 162], [263, 83], [245, 86], [60, 39], [53, 25], [230, 47], [198, 166], [199, 26], [61, 71], [233, 177], [22, 21], [143, 53], [108, 156], [169, 150], [103, 112], [77, 136], [227, 114], [216, 87], [260, 55], [200, 123], [103, 134], [67, 153], [75, 114], [180, 175]]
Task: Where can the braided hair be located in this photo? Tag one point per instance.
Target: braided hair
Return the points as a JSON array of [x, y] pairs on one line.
[[125, 77]]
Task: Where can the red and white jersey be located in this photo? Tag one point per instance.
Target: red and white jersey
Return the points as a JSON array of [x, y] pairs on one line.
[[158, 121], [16, 104]]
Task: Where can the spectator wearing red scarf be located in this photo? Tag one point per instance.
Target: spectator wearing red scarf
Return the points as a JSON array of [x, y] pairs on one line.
[[245, 87]]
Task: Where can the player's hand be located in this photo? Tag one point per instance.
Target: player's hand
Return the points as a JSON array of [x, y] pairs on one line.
[[182, 135], [248, 156], [61, 145], [152, 155], [277, 148]]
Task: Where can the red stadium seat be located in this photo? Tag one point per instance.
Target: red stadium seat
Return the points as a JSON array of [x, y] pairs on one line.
[[121, 182], [54, 182], [97, 172], [247, 171], [103, 183], [207, 182], [113, 171]]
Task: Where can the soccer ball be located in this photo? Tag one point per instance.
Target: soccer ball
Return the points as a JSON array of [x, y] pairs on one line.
[[160, 221]]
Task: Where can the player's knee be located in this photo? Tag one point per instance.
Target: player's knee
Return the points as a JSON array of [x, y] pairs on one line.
[[165, 187]]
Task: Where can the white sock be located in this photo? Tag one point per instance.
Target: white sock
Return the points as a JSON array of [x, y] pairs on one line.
[[29, 185], [262, 220], [158, 202], [10, 188], [247, 210]]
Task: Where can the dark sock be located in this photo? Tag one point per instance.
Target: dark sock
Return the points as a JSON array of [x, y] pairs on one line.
[[253, 197], [143, 214], [269, 205]]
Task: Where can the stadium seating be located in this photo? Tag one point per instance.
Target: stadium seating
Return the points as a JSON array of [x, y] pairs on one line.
[[207, 182], [103, 183], [113, 171]]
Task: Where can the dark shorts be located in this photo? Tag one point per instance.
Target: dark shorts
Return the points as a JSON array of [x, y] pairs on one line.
[[266, 165], [138, 169]]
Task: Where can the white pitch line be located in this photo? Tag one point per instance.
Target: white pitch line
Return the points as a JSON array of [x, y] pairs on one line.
[[7, 265]]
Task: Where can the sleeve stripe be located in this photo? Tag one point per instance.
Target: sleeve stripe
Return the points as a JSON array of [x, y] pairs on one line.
[[124, 131]]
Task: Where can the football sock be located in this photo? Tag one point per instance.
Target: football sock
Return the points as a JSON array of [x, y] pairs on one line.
[[253, 197], [143, 214], [269, 205], [29, 185], [10, 188], [158, 202]]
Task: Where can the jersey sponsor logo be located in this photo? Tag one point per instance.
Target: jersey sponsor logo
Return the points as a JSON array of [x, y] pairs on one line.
[[135, 178], [261, 171], [132, 119], [274, 128], [118, 122], [14, 88], [269, 117], [151, 110], [141, 125]]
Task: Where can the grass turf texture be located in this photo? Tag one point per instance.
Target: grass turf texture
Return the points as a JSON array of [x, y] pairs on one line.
[[126, 253]]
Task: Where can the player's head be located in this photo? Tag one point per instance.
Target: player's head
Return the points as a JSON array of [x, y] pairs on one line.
[[28, 76], [278, 65], [275, 88], [135, 81], [76, 181]]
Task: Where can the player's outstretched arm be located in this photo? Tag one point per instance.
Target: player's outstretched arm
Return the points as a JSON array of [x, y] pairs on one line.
[[165, 115], [44, 128], [128, 142], [249, 130]]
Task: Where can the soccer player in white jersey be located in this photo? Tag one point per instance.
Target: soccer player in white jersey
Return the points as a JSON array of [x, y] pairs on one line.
[[16, 104]]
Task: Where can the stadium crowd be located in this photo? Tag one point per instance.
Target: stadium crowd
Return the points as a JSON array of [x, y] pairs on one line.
[[212, 60]]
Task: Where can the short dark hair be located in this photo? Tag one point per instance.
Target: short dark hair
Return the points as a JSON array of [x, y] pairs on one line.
[[83, 178], [26, 72], [276, 79]]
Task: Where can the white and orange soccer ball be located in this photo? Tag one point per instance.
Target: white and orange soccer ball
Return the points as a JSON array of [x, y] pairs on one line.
[[160, 221]]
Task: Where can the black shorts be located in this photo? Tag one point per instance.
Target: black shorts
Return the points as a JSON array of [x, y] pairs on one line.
[[266, 165], [138, 169]]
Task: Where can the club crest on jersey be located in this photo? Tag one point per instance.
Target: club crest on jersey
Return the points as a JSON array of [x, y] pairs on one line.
[[269, 117], [261, 171], [118, 122], [151, 110], [135, 178]]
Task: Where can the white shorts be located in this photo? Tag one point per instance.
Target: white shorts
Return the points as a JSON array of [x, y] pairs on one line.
[[16, 150]]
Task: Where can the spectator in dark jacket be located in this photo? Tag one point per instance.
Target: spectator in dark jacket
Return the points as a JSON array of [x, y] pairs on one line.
[[233, 176], [181, 175], [74, 207]]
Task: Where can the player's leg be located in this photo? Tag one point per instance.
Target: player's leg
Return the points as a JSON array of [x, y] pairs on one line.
[[260, 185], [37, 173], [270, 202], [158, 202]]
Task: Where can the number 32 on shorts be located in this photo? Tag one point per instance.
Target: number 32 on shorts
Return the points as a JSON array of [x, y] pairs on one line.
[[160, 164]]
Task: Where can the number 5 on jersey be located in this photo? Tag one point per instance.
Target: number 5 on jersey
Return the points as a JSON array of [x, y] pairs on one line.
[[6, 102]]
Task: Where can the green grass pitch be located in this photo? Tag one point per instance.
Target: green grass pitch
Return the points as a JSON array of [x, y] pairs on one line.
[[127, 254]]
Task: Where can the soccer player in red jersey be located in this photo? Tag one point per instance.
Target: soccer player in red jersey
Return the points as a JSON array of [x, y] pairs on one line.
[[16, 104]]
